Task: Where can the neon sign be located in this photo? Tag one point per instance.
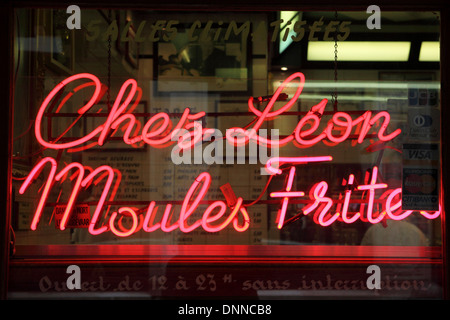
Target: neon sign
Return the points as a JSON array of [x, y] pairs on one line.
[[322, 204], [158, 132]]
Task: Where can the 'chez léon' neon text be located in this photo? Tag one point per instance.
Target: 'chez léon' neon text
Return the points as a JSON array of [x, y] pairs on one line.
[[158, 132]]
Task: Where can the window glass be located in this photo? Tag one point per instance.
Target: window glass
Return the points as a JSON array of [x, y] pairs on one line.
[[226, 128]]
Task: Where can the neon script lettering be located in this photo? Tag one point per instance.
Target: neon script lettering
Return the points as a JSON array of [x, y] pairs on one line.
[[321, 204], [214, 218], [118, 115], [158, 131]]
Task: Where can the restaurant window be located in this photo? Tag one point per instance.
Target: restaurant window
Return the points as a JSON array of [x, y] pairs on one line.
[[256, 136]]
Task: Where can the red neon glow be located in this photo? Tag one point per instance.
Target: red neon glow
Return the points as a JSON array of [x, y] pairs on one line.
[[371, 187], [322, 204], [266, 114], [149, 218], [292, 160], [245, 217], [116, 110], [433, 215], [186, 208], [82, 110], [163, 133], [312, 115], [348, 193], [133, 227], [36, 170], [206, 220], [340, 121], [319, 192], [114, 119], [140, 223], [75, 190], [346, 126], [277, 93], [110, 178], [148, 224], [166, 219], [390, 208], [159, 131], [187, 139], [286, 195]]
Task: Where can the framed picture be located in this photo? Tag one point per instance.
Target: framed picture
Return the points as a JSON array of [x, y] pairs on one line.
[[195, 61], [62, 45]]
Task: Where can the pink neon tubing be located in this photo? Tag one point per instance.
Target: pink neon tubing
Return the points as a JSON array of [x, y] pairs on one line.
[[149, 218], [75, 190], [293, 160], [186, 209], [286, 195], [371, 187], [36, 170], [133, 227], [267, 114], [319, 196], [348, 193], [116, 110], [107, 187], [51, 95]]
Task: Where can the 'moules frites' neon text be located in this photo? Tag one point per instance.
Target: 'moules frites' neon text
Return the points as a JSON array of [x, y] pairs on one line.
[[159, 131], [321, 204]]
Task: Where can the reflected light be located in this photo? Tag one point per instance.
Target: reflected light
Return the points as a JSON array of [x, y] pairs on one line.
[[429, 51], [287, 29], [359, 50]]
